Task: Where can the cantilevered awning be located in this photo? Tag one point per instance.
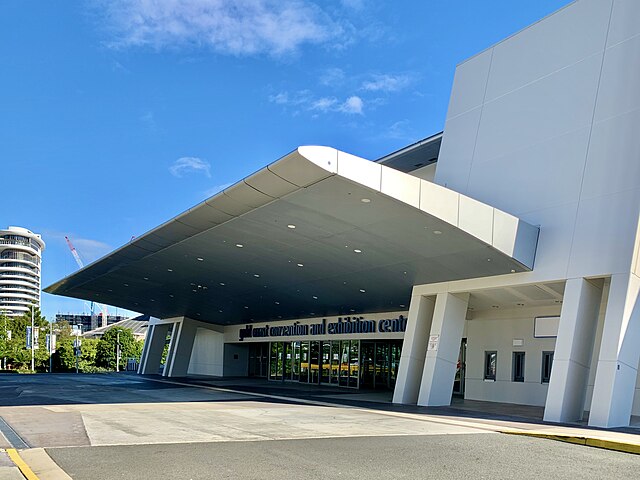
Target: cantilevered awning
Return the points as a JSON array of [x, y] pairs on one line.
[[318, 232]]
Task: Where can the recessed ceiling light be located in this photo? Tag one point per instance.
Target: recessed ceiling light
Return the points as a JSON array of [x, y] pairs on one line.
[[357, 250], [239, 245], [246, 306], [197, 314], [365, 200], [362, 290], [291, 226], [126, 284], [352, 310], [279, 316], [256, 275], [301, 265], [315, 298], [200, 259], [110, 290], [220, 311], [222, 283], [312, 313], [169, 270], [193, 290], [171, 295], [402, 305], [437, 232], [152, 300], [146, 278], [277, 303]]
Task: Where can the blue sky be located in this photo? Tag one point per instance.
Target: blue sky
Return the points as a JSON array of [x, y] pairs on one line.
[[117, 115]]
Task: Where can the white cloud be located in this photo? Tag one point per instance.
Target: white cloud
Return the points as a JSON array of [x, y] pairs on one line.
[[352, 105], [304, 100], [332, 77], [185, 165], [91, 250], [324, 104], [234, 27], [386, 83], [210, 192]]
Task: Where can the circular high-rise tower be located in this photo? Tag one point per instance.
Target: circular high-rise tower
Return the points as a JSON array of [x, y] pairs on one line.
[[20, 259]]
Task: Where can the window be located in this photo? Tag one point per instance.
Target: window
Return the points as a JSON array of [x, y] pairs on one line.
[[490, 359], [518, 367], [547, 363]]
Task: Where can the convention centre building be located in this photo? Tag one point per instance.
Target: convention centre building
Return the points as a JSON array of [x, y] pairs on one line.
[[497, 260]]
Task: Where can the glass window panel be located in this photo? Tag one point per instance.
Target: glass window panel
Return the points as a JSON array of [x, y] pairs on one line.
[[295, 363], [344, 363], [354, 364], [314, 362], [304, 362], [326, 362], [335, 362], [490, 362]]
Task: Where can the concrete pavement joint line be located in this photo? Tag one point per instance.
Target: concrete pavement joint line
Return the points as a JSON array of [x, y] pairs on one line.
[[580, 440], [427, 418], [266, 439], [24, 468], [11, 435]]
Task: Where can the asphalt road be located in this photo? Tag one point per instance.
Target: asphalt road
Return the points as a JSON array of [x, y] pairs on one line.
[[491, 456], [129, 427]]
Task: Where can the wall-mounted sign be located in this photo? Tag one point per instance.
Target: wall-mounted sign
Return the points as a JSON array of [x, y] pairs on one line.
[[344, 325], [434, 340], [546, 327]]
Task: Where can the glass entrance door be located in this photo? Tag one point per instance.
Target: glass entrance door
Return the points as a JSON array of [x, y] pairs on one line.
[[314, 362], [367, 370], [458, 382]]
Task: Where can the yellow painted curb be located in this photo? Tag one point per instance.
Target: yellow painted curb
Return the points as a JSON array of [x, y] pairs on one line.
[[24, 468], [588, 441]]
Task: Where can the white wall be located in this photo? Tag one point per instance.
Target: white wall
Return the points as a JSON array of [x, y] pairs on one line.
[[236, 360], [495, 331], [544, 126], [207, 354]]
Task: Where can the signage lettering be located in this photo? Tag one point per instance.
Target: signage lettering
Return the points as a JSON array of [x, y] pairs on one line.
[[344, 325]]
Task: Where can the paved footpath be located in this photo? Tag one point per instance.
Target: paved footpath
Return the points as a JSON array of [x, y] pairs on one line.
[[125, 426]]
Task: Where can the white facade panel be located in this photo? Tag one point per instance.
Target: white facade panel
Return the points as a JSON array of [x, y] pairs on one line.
[[470, 80], [564, 38]]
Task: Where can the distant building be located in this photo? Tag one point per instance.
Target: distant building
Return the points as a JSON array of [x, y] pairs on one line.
[[20, 259], [87, 322], [137, 325]]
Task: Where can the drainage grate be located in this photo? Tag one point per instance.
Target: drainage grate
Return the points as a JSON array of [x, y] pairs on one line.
[[12, 436]]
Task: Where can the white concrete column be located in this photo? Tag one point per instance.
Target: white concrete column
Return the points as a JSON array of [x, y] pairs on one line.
[[440, 363], [617, 368], [153, 348], [184, 334], [574, 347], [414, 349]]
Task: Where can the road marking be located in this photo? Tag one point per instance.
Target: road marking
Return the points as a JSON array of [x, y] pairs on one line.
[[12, 436], [24, 468]]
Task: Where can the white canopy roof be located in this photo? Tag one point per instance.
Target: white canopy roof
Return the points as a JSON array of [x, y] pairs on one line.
[[318, 232]]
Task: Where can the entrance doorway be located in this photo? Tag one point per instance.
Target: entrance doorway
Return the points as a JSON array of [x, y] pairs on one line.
[[258, 359], [458, 382], [380, 362]]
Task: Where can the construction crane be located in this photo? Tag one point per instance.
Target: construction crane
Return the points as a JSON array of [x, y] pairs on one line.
[[103, 308]]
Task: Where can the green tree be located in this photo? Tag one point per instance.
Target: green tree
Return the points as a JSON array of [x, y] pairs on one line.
[[106, 349], [15, 350]]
